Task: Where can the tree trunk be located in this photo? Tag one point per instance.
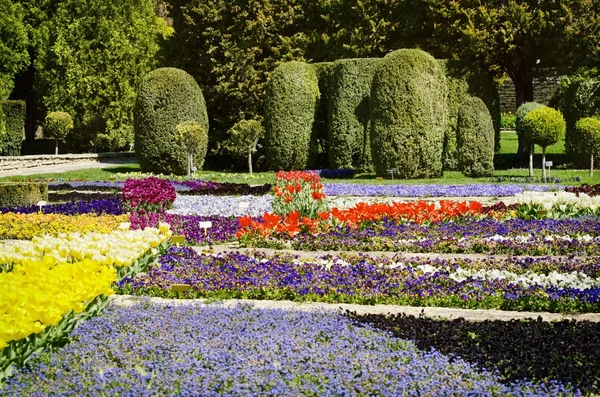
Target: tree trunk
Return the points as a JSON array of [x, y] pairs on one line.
[[592, 165], [250, 162], [189, 164], [524, 93], [544, 163], [56, 148], [531, 160]]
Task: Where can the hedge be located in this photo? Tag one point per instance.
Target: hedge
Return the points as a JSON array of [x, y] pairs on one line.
[[19, 194], [166, 97], [318, 153], [408, 115], [577, 97], [348, 117], [475, 139], [292, 99], [14, 114], [465, 81]]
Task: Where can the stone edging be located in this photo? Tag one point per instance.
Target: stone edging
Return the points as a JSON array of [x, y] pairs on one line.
[[429, 312], [8, 163]]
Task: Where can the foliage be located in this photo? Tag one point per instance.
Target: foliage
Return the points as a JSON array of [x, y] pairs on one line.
[[319, 147], [14, 57], [577, 97], [194, 139], [292, 98], [544, 126], [96, 55], [521, 112], [243, 139], [475, 139], [507, 121], [408, 115], [15, 194], [14, 113], [588, 130], [465, 81], [348, 118], [58, 125], [166, 97]]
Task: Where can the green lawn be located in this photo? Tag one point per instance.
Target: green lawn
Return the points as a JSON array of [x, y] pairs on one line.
[[505, 157]]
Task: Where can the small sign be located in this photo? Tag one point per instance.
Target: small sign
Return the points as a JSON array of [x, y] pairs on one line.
[[178, 240], [41, 203], [392, 171], [379, 178], [130, 147], [181, 287], [205, 224], [549, 164]]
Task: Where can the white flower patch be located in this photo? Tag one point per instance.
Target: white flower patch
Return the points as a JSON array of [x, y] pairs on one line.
[[559, 199], [228, 206]]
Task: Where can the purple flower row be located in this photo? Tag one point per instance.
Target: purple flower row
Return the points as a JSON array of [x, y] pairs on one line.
[[112, 206], [361, 280], [152, 349], [471, 190]]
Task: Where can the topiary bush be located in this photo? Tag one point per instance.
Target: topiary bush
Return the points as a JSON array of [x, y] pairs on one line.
[[521, 112], [14, 114], [464, 82], [408, 115], [543, 126], [348, 117], [57, 125], [166, 97], [194, 139], [19, 194], [577, 97], [292, 99], [588, 130], [475, 139]]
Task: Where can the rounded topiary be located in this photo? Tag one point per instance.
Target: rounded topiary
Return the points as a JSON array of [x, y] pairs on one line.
[[543, 126], [348, 117], [19, 194], [588, 130], [57, 125], [521, 112], [166, 97], [408, 115], [475, 139], [292, 98], [194, 139]]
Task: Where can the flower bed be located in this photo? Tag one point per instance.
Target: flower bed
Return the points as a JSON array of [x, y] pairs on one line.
[[112, 206], [368, 281], [432, 190], [225, 206], [170, 350], [567, 351]]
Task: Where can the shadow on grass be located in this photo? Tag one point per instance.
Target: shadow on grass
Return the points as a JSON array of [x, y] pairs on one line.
[[122, 169]]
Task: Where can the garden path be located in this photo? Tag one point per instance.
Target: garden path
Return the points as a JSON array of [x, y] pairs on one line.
[[78, 165]]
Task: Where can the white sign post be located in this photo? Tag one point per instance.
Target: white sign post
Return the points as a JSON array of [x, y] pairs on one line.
[[548, 164], [392, 171], [41, 204], [205, 225]]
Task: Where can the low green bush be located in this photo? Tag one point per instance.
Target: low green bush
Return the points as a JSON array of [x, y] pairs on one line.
[[588, 130], [57, 125], [14, 114], [475, 139], [18, 194]]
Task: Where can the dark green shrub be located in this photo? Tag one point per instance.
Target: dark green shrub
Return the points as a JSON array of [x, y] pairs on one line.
[[577, 97], [349, 113], [408, 115], [166, 97], [194, 139], [464, 82], [14, 113], [318, 154], [58, 125], [292, 98], [521, 112], [18, 194], [3, 133], [475, 139], [588, 130]]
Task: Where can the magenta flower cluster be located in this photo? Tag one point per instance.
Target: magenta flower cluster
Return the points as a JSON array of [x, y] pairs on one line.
[[149, 194]]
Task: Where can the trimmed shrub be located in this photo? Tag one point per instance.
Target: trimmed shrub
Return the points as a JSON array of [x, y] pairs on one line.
[[408, 115], [292, 99], [588, 130], [243, 139], [521, 112], [194, 139], [19, 194], [318, 156], [475, 139], [464, 82], [577, 97], [166, 97], [544, 126], [348, 117], [14, 114], [58, 125]]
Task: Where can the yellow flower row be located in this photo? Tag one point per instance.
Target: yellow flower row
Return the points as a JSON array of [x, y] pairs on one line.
[[118, 248], [27, 226], [36, 295]]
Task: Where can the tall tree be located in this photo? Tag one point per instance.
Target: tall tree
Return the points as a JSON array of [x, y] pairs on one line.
[[13, 45], [522, 38]]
